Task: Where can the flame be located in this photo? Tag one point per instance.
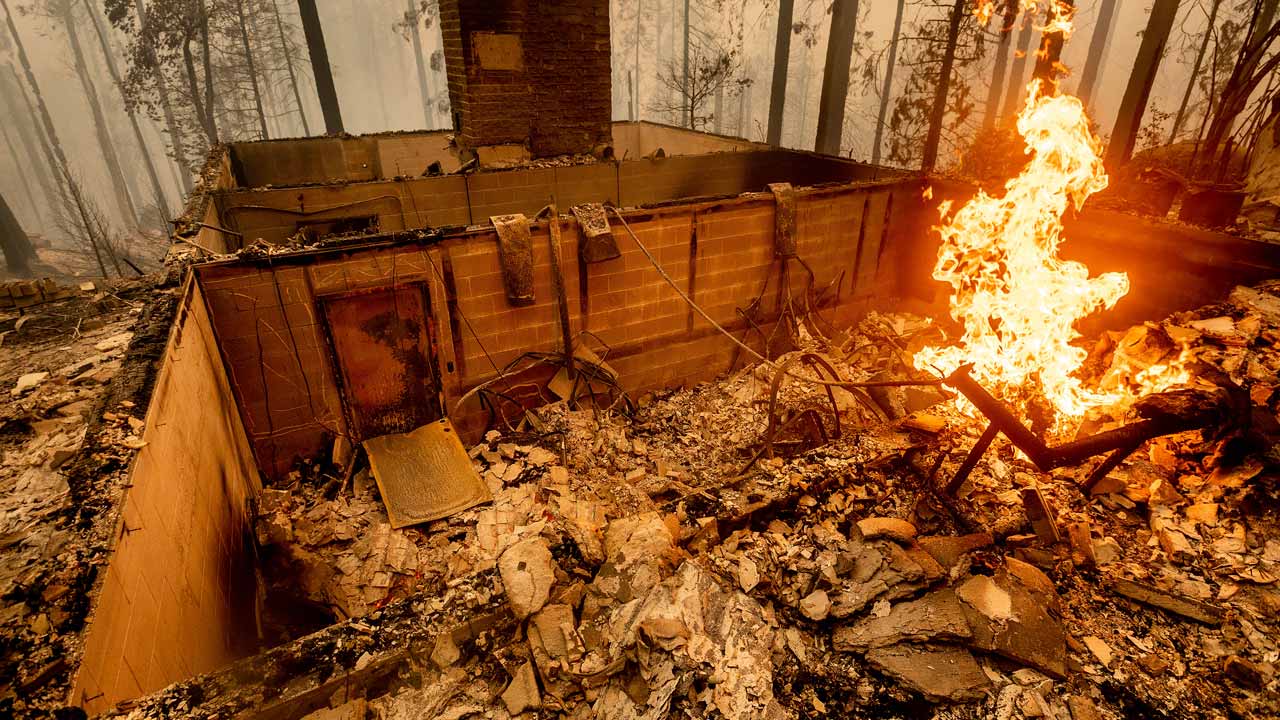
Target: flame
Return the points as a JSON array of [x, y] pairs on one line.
[[1016, 299]]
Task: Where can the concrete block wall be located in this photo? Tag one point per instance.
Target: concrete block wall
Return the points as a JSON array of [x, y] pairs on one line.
[[177, 597], [273, 214], [720, 253]]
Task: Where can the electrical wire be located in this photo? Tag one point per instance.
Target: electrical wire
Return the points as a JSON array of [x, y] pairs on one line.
[[764, 360]]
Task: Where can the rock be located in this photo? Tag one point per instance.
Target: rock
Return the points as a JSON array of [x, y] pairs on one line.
[[28, 382], [947, 549], [445, 652], [1164, 493], [1175, 545], [1081, 538], [556, 646], [1260, 302], [522, 693], [983, 595], [936, 616], [940, 674], [1246, 673], [1107, 550], [528, 572], [1099, 648], [114, 342], [816, 605], [748, 574], [885, 527], [1203, 513], [1082, 708]]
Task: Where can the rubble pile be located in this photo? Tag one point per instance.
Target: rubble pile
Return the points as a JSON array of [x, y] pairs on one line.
[[67, 432]]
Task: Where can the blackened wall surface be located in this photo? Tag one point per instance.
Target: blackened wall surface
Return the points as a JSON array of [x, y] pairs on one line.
[[532, 72]]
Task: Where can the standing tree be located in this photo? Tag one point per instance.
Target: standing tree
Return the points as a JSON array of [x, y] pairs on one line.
[[320, 69], [887, 91], [1255, 63], [1134, 103], [835, 76], [16, 246], [59, 158], [711, 70], [1013, 94], [1097, 48], [162, 204], [414, 16], [287, 49], [1009, 19], [938, 113], [22, 118], [781, 58], [1195, 70]]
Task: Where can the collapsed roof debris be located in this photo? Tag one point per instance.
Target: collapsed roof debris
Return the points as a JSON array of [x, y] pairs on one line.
[[644, 575]]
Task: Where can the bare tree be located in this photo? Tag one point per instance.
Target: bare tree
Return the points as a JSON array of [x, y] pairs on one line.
[[320, 66], [1255, 64], [711, 70], [887, 91], [59, 158], [835, 76], [781, 57], [286, 48], [936, 116], [1097, 47]]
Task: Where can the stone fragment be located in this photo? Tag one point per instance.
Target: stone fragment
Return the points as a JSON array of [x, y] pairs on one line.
[[445, 652], [816, 605], [28, 382], [1030, 635], [748, 574], [982, 593], [522, 693], [528, 572], [1082, 708], [1099, 648], [1175, 545], [1107, 550], [936, 616], [940, 674], [947, 549], [1162, 492], [1246, 673], [1203, 513], [1081, 544], [885, 527]]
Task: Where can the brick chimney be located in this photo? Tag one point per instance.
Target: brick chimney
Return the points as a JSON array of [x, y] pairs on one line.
[[528, 74]]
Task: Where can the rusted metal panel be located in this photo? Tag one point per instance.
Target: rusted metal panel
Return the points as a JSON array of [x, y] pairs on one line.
[[425, 474], [383, 348]]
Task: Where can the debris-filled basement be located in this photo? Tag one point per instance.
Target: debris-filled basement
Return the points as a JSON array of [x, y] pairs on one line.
[[555, 414]]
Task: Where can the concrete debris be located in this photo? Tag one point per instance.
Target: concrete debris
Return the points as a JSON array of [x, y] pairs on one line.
[[528, 572], [936, 616], [883, 527], [940, 674], [522, 693]]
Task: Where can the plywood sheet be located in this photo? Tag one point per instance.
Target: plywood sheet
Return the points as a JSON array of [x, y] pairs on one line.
[[425, 474]]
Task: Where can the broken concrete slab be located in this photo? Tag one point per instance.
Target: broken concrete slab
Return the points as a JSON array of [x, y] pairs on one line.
[[936, 616], [874, 528], [941, 674], [28, 382], [528, 572], [984, 595], [522, 692], [816, 605], [1029, 635]]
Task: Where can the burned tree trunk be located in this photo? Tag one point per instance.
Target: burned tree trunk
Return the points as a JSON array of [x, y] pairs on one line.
[[939, 112], [1097, 46], [1049, 59], [22, 176], [1134, 103], [166, 106], [252, 68], [119, 187], [781, 57], [888, 83], [55, 146], [1002, 63], [29, 135], [835, 76], [1195, 71], [424, 85], [162, 203], [288, 64], [207, 56], [18, 252], [320, 66], [1014, 92]]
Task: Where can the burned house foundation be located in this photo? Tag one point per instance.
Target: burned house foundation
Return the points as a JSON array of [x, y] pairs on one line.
[[251, 518]]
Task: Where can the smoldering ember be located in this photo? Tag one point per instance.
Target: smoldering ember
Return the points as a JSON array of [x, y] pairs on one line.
[[706, 359]]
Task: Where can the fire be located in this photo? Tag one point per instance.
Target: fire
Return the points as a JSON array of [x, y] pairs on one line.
[[1016, 299]]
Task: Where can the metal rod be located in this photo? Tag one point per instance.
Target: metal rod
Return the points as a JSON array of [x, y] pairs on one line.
[[971, 460]]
